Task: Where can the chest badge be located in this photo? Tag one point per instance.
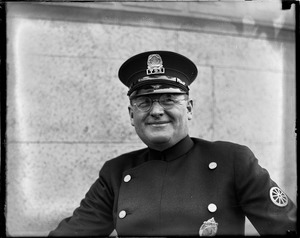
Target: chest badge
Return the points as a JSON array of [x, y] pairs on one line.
[[209, 228]]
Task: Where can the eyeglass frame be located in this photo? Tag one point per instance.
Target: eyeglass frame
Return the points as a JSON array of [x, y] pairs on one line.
[[186, 97]]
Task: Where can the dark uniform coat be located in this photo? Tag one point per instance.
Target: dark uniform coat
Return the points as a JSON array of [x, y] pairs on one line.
[[151, 193]]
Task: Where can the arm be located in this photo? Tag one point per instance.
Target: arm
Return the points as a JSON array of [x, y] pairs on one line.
[[253, 185], [94, 216]]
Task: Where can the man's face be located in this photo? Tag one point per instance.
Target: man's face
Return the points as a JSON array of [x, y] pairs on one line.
[[161, 128]]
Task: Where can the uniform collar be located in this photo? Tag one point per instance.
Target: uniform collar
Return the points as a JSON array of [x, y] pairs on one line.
[[173, 152]]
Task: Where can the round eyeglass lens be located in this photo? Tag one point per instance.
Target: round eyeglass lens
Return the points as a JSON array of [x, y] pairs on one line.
[[167, 101], [143, 103]]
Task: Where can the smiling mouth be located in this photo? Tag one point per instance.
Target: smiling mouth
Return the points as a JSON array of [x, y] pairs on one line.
[[161, 123]]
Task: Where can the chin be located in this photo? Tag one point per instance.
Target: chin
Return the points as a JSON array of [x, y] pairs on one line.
[[160, 139]]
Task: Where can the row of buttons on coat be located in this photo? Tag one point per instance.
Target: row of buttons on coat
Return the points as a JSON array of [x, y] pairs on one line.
[[123, 213], [211, 207], [211, 165]]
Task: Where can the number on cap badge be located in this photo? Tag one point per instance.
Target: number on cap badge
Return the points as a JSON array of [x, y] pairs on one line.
[[278, 197]]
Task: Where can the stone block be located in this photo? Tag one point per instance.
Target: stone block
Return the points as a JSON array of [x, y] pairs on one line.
[[167, 5], [68, 99], [46, 181], [237, 52], [75, 39], [249, 105], [201, 92]]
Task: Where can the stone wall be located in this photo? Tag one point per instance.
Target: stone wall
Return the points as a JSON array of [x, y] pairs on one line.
[[67, 110]]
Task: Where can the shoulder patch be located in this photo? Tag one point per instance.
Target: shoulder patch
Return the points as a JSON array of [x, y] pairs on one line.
[[278, 197]]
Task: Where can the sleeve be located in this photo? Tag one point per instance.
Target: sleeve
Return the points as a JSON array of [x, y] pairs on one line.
[[268, 208], [94, 216]]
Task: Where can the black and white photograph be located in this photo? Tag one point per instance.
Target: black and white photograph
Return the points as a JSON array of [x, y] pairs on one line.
[[151, 118]]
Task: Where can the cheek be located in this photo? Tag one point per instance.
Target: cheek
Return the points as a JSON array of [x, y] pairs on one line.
[[181, 116], [138, 121], [182, 121]]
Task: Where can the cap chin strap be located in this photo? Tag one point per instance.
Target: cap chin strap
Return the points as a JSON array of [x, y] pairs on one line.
[[162, 77], [143, 91], [145, 83]]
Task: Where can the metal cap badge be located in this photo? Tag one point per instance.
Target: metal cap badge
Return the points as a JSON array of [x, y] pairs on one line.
[[209, 228], [155, 65]]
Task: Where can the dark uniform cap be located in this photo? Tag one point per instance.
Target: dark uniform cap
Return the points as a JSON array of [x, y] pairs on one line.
[[157, 72]]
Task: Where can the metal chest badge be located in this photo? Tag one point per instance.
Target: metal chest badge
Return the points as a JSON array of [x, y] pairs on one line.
[[209, 228], [155, 65]]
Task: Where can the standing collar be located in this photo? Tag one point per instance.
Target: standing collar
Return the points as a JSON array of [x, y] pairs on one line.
[[174, 152]]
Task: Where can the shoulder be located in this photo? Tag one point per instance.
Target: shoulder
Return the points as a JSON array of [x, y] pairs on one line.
[[229, 148], [127, 160], [113, 169], [229, 154]]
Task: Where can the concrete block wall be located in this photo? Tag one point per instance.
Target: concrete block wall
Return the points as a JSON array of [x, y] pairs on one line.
[[67, 110]]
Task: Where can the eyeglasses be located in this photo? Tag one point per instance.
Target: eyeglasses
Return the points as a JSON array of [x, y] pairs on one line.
[[167, 101]]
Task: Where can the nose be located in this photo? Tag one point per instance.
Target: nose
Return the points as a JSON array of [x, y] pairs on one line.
[[157, 109]]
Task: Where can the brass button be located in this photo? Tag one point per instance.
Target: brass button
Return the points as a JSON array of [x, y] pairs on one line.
[[212, 207], [127, 178], [122, 214], [212, 165]]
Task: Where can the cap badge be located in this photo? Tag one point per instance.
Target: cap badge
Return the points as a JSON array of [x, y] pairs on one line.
[[278, 197], [155, 65], [209, 228]]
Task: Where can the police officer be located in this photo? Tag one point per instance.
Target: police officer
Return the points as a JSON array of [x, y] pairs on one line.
[[178, 185]]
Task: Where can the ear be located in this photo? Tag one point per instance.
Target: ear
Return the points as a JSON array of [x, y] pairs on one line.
[[130, 111], [190, 109]]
